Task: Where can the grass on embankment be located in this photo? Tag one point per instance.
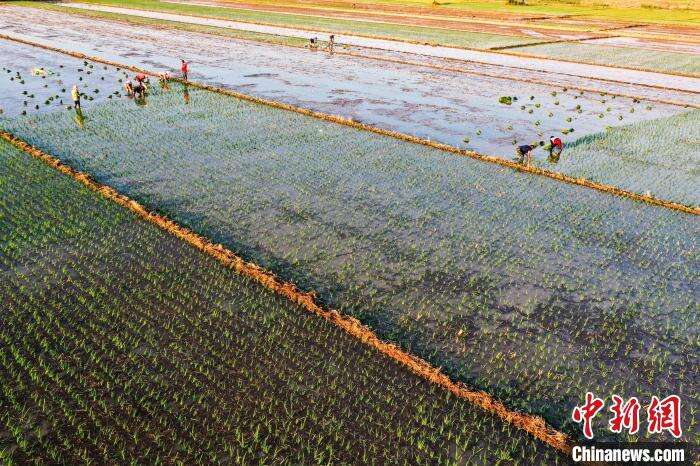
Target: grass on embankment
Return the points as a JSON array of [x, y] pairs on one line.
[[338, 26]]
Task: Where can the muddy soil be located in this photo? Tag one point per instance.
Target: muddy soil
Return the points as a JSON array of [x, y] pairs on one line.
[[448, 106]]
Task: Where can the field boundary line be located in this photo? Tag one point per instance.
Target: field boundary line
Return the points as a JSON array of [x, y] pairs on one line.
[[363, 20], [500, 48], [417, 42], [466, 19], [534, 425], [614, 190], [123, 17], [529, 81]]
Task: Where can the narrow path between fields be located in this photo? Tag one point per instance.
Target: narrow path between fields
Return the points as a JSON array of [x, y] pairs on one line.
[[538, 64]]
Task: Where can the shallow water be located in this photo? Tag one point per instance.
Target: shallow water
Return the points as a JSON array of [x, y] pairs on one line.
[[445, 106], [23, 92], [531, 63]]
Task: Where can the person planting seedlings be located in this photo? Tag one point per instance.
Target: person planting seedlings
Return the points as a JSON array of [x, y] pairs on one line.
[[313, 43], [129, 87], [524, 153], [140, 87], [184, 68], [75, 94], [164, 79], [331, 42], [556, 146], [139, 90]]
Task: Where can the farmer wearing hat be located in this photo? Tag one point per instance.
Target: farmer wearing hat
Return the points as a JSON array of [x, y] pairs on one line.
[[140, 87]]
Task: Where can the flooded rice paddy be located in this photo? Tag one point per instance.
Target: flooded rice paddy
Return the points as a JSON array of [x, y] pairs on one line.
[[447, 106]]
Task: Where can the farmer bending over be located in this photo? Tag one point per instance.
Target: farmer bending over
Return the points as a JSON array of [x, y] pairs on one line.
[[139, 90], [163, 79], [555, 147], [524, 153], [313, 43], [331, 42]]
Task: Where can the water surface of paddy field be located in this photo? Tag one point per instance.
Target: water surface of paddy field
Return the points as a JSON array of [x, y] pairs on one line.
[[445, 106], [533, 290], [627, 71], [33, 80], [440, 105], [78, 37]]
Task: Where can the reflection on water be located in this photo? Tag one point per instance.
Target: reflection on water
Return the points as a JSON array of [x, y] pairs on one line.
[[185, 93], [79, 118]]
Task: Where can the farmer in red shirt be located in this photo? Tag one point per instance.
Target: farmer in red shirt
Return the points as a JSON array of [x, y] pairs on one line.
[[184, 69], [555, 147], [140, 87]]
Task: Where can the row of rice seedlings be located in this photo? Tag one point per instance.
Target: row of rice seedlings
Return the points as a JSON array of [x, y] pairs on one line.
[[151, 352], [484, 272]]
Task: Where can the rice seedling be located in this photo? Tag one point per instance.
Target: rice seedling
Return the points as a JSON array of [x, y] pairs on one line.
[[619, 56]]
